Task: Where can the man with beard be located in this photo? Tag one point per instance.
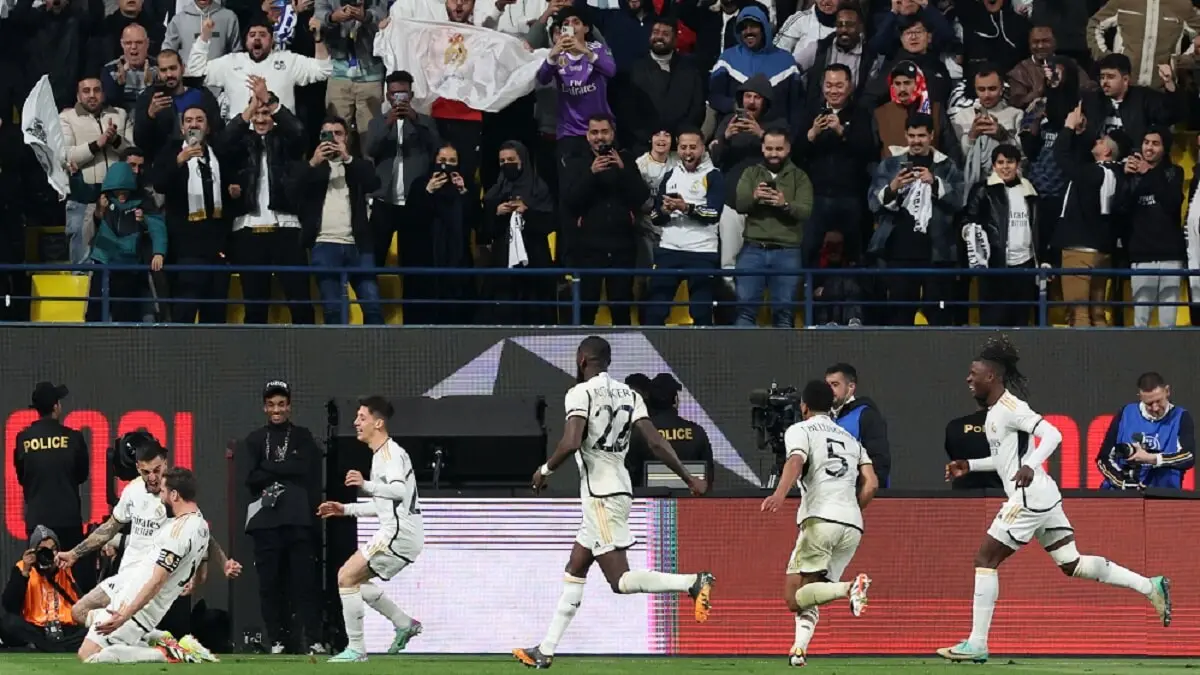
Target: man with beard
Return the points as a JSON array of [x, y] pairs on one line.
[[776, 198], [282, 70], [845, 46], [156, 116], [600, 194], [687, 208], [915, 195], [908, 95], [284, 480], [755, 55], [667, 89], [860, 417], [1027, 80]]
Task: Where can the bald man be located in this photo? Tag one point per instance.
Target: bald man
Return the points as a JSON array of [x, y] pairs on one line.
[[127, 76]]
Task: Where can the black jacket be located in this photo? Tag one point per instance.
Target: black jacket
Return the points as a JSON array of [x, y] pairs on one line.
[[837, 164], [872, 434], [689, 440], [663, 100], [988, 205], [51, 462], [600, 208], [965, 439], [1155, 206], [815, 75], [284, 146], [1082, 225], [151, 135], [1142, 109], [188, 239], [309, 186], [56, 44], [299, 471]]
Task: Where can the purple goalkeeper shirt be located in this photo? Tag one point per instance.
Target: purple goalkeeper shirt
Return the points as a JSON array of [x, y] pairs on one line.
[[582, 87]]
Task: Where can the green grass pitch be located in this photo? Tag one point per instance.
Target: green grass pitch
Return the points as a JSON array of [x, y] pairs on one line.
[[37, 664]]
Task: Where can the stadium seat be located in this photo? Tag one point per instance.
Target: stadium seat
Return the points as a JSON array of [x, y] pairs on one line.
[[58, 285]]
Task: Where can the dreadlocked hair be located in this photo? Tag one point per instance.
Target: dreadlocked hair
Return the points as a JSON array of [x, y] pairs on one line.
[[1001, 352]]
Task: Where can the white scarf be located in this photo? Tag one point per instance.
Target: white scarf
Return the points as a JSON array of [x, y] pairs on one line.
[[195, 188], [517, 255], [1191, 234], [918, 201]]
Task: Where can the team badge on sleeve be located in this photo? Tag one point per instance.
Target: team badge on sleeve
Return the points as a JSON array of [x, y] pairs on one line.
[[168, 560]]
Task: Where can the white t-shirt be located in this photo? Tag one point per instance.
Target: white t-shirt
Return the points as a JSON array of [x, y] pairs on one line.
[[1009, 427], [1020, 232], [611, 409], [394, 500], [179, 548], [829, 484], [145, 514]]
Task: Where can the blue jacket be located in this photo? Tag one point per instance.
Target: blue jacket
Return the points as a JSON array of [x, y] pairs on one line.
[[1173, 436], [739, 63]]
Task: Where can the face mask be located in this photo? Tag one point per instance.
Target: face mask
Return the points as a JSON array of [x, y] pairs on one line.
[[510, 171]]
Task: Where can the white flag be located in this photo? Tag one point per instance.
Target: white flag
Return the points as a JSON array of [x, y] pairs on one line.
[[43, 132], [483, 68]]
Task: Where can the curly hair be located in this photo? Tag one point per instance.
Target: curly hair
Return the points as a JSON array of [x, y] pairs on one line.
[[1002, 353]]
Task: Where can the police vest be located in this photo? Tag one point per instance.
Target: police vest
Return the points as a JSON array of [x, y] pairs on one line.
[[1158, 437]]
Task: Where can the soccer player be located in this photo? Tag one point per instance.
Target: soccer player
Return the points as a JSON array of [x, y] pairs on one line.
[[397, 542], [179, 548], [1034, 507], [837, 480], [602, 414], [140, 507]]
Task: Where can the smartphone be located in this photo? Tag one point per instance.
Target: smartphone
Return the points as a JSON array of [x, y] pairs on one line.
[[401, 97], [770, 184], [194, 136], [906, 167], [327, 137], [674, 195], [446, 168], [162, 89], [739, 112], [568, 31], [604, 149]]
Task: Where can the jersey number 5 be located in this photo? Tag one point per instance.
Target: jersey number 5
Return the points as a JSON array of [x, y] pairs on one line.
[[833, 446], [615, 436]]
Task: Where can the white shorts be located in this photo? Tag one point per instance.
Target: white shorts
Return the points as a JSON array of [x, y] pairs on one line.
[[130, 633], [823, 547], [605, 526], [388, 561], [1016, 525]]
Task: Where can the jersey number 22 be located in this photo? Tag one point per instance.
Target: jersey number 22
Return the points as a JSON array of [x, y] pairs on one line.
[[615, 436]]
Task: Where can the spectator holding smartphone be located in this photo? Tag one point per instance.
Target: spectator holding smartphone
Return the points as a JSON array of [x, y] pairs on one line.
[[349, 26], [443, 212], [582, 69], [157, 115], [1156, 240]]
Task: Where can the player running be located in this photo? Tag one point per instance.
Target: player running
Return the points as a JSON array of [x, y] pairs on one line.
[[1034, 507], [397, 542], [836, 482], [602, 414], [140, 507], [120, 632]]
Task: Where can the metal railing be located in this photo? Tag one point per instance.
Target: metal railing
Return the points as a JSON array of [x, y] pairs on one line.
[[806, 300]]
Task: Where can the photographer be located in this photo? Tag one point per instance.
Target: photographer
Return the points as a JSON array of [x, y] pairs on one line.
[[285, 479], [1151, 443], [37, 600]]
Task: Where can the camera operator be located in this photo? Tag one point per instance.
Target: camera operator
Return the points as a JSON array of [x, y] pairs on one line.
[[1151, 443], [51, 462], [965, 440], [285, 479], [860, 417], [689, 439], [37, 600]]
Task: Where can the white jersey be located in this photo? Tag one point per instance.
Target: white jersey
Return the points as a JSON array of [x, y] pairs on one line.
[[145, 514], [829, 483], [1009, 427], [394, 500], [179, 547], [611, 409]]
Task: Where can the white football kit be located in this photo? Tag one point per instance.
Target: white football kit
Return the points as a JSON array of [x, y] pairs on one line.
[[394, 500], [829, 518], [611, 409], [145, 514], [179, 547], [1033, 512]]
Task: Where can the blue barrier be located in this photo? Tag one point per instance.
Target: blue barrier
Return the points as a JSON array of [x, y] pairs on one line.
[[574, 275]]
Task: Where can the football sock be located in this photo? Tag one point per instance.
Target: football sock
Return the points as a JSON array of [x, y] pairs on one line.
[[822, 592], [806, 623], [987, 589], [646, 581], [128, 654], [376, 600], [568, 604], [1108, 572], [352, 613]]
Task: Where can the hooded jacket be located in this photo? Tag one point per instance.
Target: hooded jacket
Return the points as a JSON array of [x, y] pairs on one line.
[[740, 63], [184, 29], [33, 598], [890, 213], [732, 155], [118, 232], [862, 419], [704, 190]]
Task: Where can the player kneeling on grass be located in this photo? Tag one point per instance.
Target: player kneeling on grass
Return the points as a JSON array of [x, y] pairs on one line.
[[836, 482], [1034, 507], [124, 631], [397, 542]]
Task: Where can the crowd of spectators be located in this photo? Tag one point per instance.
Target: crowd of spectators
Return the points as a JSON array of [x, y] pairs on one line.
[[921, 138]]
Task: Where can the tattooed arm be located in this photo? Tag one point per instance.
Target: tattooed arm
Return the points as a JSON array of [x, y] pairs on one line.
[[229, 567], [99, 537]]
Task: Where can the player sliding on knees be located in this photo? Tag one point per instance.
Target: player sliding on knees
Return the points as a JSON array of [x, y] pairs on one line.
[[397, 542], [1034, 507], [602, 414], [836, 482]]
